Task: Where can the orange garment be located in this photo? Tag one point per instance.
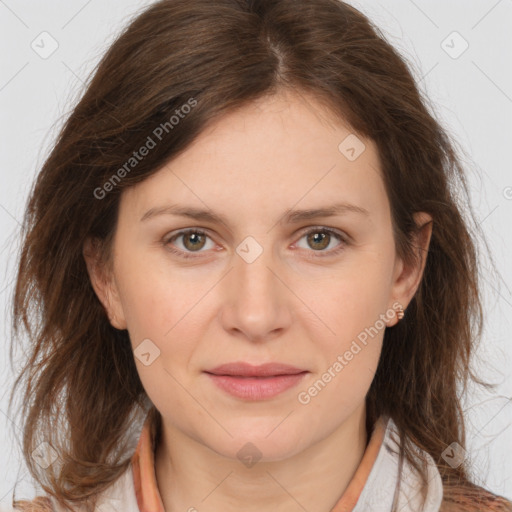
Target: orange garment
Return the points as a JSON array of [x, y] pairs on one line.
[[148, 495]]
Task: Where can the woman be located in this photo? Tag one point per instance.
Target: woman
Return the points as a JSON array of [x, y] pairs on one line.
[[257, 289]]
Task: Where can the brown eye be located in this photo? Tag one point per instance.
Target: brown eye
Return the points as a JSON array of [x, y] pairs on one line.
[[193, 241], [319, 239]]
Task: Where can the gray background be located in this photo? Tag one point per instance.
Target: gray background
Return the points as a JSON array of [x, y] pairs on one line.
[[471, 93]]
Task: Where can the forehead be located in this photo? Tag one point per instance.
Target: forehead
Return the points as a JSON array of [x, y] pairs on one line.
[[269, 155], [286, 126]]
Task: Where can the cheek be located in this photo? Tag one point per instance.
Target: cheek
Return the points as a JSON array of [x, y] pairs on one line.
[[348, 359], [350, 355], [351, 298], [162, 306], [153, 299], [331, 397], [352, 307], [158, 319]]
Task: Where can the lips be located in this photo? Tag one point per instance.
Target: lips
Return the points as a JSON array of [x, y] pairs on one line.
[[249, 382], [242, 369]]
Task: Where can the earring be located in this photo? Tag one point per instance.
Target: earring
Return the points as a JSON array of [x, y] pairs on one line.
[[400, 313]]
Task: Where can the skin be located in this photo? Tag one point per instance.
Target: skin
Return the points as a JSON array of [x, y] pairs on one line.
[[251, 166]]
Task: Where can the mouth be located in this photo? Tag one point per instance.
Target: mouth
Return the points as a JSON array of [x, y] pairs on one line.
[[242, 369], [249, 382]]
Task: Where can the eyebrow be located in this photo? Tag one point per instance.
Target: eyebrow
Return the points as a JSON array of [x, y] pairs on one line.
[[290, 216]]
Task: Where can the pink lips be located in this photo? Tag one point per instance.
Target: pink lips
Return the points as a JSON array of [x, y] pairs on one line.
[[249, 382]]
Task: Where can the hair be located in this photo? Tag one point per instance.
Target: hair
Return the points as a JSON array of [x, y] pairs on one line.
[[80, 381]]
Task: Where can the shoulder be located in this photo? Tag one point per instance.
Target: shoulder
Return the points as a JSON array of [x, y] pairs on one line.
[[446, 496], [469, 498], [120, 495]]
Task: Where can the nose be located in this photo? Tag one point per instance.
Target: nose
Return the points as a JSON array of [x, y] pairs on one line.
[[256, 303]]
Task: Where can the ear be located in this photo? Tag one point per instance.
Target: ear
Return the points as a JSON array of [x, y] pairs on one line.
[[103, 283], [407, 278]]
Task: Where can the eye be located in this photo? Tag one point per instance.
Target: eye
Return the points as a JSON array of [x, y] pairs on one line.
[[193, 241], [319, 238]]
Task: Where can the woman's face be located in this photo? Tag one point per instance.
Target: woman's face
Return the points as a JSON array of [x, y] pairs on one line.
[[262, 285]]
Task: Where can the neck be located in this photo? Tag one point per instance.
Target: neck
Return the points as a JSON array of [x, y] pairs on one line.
[[192, 476]]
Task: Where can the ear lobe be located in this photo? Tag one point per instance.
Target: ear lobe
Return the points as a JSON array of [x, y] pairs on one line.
[[103, 283], [408, 277]]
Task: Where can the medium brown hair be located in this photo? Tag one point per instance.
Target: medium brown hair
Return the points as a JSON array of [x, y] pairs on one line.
[[81, 385]]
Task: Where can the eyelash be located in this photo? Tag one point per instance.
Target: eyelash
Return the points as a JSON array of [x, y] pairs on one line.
[[320, 254]]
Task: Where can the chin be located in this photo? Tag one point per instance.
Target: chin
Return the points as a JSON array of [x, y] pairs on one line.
[[257, 444]]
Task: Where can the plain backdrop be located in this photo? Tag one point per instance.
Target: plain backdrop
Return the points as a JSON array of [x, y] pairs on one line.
[[460, 52]]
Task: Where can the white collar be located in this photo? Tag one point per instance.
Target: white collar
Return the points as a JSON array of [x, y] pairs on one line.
[[380, 489]]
